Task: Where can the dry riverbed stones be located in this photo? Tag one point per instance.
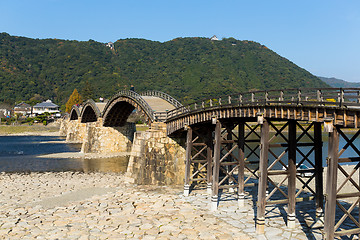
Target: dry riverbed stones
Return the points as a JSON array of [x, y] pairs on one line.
[[70, 205]]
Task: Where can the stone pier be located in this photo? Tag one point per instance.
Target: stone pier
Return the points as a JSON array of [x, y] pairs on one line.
[[155, 158], [73, 130], [99, 139]]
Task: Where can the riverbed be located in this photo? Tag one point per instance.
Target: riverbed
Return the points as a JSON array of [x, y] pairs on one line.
[[48, 152]]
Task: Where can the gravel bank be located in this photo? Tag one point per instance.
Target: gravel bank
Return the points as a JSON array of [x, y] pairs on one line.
[[102, 206]]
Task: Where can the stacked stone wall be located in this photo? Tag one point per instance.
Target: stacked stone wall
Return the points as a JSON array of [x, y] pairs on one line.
[[63, 127], [156, 159], [99, 139], [75, 131]]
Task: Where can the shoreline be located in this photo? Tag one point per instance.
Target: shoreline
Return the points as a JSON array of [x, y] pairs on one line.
[[38, 133], [85, 155]]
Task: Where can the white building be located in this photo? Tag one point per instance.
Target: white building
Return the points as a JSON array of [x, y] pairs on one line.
[[110, 45], [214, 38], [22, 109], [44, 107]]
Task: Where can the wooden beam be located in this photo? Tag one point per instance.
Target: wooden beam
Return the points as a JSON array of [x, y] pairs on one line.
[[188, 161], [264, 154], [241, 164], [216, 166], [331, 184], [292, 174], [319, 192], [209, 153]]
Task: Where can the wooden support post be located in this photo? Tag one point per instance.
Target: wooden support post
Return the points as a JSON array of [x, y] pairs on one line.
[[241, 164], [209, 152], [331, 184], [292, 174], [263, 164], [229, 146], [319, 192], [216, 167], [188, 161]]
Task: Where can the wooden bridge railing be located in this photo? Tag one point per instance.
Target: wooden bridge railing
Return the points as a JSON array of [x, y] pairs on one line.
[[331, 97]]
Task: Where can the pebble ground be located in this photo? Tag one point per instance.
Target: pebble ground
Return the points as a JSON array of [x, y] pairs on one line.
[[71, 205]]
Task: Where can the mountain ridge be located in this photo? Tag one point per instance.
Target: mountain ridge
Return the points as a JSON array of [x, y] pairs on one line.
[[186, 68], [337, 83]]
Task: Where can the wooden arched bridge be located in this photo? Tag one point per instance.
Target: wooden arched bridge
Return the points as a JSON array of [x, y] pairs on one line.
[[153, 104], [264, 135]]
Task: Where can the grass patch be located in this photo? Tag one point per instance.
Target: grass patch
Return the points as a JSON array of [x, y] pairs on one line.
[[141, 127]]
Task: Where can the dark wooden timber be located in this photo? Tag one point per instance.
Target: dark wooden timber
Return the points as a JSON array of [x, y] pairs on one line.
[[292, 173], [188, 160], [216, 167], [264, 149], [319, 196], [241, 166], [209, 150], [331, 184]]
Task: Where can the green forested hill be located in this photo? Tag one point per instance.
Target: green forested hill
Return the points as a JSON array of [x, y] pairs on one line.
[[339, 83], [186, 68]]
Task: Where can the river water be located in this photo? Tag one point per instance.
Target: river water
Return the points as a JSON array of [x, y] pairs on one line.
[[22, 154]]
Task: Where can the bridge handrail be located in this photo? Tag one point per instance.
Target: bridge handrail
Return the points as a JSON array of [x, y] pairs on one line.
[[165, 96], [335, 97], [135, 96]]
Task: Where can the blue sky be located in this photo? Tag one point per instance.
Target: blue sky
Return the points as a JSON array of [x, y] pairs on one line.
[[322, 36]]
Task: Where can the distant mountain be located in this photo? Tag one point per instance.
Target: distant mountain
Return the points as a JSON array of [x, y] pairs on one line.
[[339, 83], [186, 68]]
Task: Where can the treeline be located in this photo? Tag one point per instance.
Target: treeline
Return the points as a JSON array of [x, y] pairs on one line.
[[186, 68]]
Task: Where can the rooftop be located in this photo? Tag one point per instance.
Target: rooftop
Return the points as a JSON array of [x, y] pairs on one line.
[[46, 104]]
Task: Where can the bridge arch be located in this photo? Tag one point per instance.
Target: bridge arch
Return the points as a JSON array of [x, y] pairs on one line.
[[75, 113], [90, 112], [119, 108]]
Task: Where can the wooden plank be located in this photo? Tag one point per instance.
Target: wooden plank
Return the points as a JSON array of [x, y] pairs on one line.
[[277, 172], [284, 201], [349, 159], [347, 232], [348, 195], [286, 145], [198, 179]]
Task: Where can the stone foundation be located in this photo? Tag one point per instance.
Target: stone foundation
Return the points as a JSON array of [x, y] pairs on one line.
[[99, 139], [156, 159], [73, 130]]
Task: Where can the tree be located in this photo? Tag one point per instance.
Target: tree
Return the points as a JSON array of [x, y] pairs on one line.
[[75, 98], [87, 91]]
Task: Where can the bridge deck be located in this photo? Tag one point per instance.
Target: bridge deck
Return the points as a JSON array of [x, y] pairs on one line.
[[158, 104]]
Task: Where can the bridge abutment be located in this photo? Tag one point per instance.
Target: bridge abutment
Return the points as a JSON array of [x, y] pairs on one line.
[[156, 158]]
